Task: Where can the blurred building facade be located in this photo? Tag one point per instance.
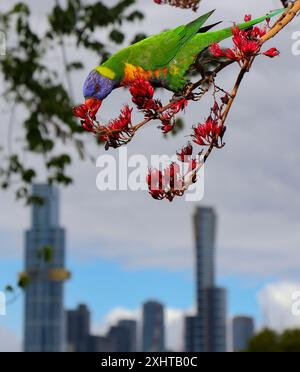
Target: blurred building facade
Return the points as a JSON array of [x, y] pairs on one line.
[[131, 329], [121, 337], [243, 329], [78, 329], [124, 336], [44, 297], [206, 331], [153, 332], [190, 333]]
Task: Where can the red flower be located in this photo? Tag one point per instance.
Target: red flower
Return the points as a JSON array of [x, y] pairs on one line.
[[167, 117], [257, 33], [273, 52], [250, 48], [142, 94], [229, 53], [248, 18], [179, 105], [167, 122], [155, 184], [157, 194], [216, 51], [167, 184], [80, 111], [171, 175], [184, 155], [94, 108], [123, 121], [167, 128], [192, 166], [88, 125], [205, 133], [155, 179], [244, 43]]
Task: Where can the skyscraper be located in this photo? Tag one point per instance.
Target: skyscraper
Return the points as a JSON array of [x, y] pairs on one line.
[[210, 330], [131, 327], [78, 329], [206, 332], [243, 331], [153, 327], [123, 336], [205, 221], [44, 310], [190, 325]]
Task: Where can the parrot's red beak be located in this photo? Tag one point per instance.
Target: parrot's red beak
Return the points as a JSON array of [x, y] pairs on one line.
[[93, 105]]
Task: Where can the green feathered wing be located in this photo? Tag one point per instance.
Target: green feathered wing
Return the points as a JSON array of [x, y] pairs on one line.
[[176, 50]]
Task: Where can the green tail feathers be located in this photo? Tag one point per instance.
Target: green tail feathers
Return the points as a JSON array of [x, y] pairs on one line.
[[227, 32], [261, 19]]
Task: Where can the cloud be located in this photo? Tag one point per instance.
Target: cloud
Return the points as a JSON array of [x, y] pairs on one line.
[[276, 301], [9, 342], [174, 324]]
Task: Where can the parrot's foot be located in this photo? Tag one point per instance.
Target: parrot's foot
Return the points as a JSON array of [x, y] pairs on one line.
[[187, 90], [186, 93]]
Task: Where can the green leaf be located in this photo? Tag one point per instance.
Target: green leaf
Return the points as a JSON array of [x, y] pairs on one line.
[[9, 289], [45, 253], [117, 36], [24, 281], [136, 15], [137, 38]]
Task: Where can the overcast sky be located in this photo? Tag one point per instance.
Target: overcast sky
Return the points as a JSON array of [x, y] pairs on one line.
[[253, 183]]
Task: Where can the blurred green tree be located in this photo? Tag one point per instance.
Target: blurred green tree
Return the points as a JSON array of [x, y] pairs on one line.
[[32, 84], [269, 341], [290, 341]]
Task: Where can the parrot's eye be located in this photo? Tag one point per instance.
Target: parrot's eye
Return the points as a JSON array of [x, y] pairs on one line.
[[97, 88]]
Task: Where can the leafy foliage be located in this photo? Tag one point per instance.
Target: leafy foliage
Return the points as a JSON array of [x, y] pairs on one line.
[[33, 85], [270, 341]]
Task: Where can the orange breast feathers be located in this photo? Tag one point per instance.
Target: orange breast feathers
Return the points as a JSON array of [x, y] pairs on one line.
[[132, 72]]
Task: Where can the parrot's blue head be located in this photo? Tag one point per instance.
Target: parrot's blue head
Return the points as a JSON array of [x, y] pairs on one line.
[[96, 88]]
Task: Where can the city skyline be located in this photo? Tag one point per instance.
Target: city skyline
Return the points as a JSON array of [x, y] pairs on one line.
[[45, 222], [57, 329], [46, 217]]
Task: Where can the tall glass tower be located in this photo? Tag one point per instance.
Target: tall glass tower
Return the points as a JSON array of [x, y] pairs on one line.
[[44, 307], [206, 331]]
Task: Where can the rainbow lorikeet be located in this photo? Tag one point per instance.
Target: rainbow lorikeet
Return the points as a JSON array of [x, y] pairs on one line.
[[164, 59]]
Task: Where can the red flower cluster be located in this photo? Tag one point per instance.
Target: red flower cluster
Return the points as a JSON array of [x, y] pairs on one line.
[[142, 94], [167, 118], [206, 133], [185, 4], [212, 130], [170, 183], [167, 184], [87, 117], [246, 44], [184, 155], [118, 131]]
